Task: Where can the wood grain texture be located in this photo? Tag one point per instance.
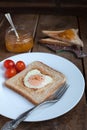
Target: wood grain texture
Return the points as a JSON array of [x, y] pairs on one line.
[[54, 22], [76, 118], [83, 34]]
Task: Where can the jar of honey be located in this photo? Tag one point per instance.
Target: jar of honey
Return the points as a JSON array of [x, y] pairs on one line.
[[17, 45]]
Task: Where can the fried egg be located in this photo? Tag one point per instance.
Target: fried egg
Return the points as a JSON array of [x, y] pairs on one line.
[[35, 79]]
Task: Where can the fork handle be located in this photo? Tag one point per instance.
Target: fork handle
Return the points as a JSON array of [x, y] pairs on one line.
[[11, 125], [23, 116]]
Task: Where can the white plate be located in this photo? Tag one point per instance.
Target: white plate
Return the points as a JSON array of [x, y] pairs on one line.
[[12, 104]]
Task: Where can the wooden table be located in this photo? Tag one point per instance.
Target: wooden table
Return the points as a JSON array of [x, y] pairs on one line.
[[75, 7], [75, 119]]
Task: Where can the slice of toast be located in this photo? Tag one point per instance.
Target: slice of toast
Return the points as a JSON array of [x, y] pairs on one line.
[[69, 35], [37, 95], [54, 42]]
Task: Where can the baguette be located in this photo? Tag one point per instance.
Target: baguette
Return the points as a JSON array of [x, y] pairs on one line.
[[69, 35], [36, 95]]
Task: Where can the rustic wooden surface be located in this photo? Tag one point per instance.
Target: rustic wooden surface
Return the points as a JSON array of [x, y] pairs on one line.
[[64, 7], [75, 119]]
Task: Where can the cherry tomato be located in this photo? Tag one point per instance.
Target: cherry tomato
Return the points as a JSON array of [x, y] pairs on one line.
[[9, 64], [20, 65], [10, 72]]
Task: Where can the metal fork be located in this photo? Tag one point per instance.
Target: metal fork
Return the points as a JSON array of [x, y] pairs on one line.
[[11, 125]]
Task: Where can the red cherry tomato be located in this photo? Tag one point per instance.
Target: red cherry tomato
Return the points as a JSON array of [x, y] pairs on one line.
[[10, 72], [9, 64], [20, 65]]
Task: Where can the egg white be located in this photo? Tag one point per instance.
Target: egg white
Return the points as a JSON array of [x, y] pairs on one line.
[[47, 79]]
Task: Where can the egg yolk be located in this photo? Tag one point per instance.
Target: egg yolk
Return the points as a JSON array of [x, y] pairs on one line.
[[36, 80]]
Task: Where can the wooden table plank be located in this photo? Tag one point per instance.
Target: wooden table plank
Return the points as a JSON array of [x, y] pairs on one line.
[[52, 22], [76, 116], [44, 7], [83, 33], [75, 119]]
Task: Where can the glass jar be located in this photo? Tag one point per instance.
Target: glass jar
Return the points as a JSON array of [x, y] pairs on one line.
[[17, 45]]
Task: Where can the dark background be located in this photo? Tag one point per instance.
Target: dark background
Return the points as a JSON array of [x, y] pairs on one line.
[[61, 7]]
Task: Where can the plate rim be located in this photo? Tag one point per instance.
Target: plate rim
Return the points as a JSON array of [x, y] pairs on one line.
[[43, 53]]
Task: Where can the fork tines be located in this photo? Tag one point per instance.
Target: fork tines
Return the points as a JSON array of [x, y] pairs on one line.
[[60, 92]]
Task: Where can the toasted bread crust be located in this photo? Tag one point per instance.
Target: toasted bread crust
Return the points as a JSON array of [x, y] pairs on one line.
[[36, 96], [54, 42], [73, 39]]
